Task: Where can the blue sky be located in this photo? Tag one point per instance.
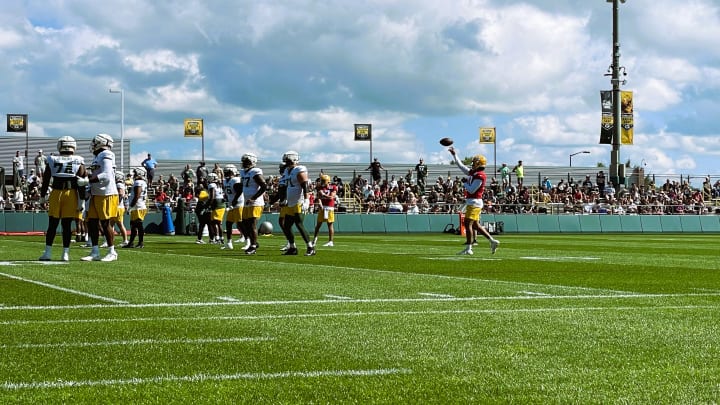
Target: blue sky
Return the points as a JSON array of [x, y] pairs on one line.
[[267, 76]]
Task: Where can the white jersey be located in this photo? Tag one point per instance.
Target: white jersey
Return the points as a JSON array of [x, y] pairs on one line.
[[123, 195], [230, 192], [64, 167], [216, 191], [103, 166], [250, 186], [141, 201], [294, 188]]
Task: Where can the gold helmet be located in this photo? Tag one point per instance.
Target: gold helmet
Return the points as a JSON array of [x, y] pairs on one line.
[[478, 161], [325, 179]]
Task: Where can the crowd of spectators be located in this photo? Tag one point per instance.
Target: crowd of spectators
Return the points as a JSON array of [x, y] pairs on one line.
[[401, 193]]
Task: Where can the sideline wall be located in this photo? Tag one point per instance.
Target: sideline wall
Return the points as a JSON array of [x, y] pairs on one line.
[[436, 223]]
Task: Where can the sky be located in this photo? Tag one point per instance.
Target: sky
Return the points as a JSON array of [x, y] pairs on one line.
[[271, 76]]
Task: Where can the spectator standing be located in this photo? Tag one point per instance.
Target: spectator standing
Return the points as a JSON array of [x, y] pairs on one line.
[[201, 174], [519, 171], [188, 175], [150, 165], [504, 171], [40, 163], [421, 171], [375, 168], [19, 165], [600, 181]]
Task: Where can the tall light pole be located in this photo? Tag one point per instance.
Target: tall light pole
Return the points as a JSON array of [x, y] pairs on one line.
[[616, 172], [122, 127], [577, 153]]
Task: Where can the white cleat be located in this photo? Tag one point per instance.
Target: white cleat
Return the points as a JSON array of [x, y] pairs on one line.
[[329, 244], [110, 257], [494, 245], [45, 257], [240, 240], [91, 258], [104, 245], [466, 251], [65, 257], [228, 246]]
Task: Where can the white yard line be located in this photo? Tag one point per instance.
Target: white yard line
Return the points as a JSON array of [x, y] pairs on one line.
[[199, 378], [337, 297], [491, 311], [67, 290], [228, 299], [435, 295], [357, 301], [136, 342]]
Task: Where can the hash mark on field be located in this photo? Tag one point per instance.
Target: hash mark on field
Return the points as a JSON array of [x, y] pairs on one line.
[[135, 342], [534, 293], [204, 377], [337, 297], [437, 295], [67, 290], [228, 299]]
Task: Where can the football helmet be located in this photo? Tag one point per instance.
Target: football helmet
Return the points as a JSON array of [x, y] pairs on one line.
[[213, 177], [249, 160], [203, 195], [101, 141], [325, 179], [139, 172], [230, 171], [478, 161], [66, 144], [119, 177], [291, 157]]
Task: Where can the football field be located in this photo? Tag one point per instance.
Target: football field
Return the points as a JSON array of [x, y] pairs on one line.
[[374, 319]]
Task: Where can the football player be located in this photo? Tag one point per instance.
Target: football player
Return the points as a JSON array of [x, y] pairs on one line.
[[217, 204], [253, 189], [102, 210], [297, 202], [235, 204], [138, 208], [326, 193], [122, 204], [474, 184], [67, 176]]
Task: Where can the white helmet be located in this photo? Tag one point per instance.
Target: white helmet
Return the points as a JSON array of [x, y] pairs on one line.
[[119, 177], [66, 144], [291, 157], [213, 177], [249, 160], [101, 141], [140, 172], [231, 170]]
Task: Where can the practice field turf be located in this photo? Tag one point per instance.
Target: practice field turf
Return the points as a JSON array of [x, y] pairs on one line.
[[375, 319]]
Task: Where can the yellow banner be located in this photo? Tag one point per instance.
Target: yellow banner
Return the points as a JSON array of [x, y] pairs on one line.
[[487, 135], [194, 127], [627, 123]]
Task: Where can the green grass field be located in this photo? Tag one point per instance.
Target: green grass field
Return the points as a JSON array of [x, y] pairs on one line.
[[375, 319]]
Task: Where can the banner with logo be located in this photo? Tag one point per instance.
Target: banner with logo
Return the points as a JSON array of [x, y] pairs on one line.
[[626, 118], [606, 123], [193, 128], [363, 132], [487, 135], [17, 123]]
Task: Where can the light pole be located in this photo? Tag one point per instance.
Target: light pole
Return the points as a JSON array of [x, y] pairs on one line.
[[122, 127], [577, 153], [617, 171]]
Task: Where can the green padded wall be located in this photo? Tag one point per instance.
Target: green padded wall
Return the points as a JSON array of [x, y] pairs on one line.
[[690, 223], [372, 223], [710, 223], [395, 223], [548, 223], [590, 223], [569, 223], [671, 223], [418, 223], [633, 223], [610, 223]]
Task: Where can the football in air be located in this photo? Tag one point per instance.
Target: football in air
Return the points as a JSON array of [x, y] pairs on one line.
[[265, 228], [446, 141]]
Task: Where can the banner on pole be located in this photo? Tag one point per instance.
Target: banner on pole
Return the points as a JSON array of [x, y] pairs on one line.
[[487, 135], [626, 118], [606, 123], [17, 123], [193, 128], [363, 132]]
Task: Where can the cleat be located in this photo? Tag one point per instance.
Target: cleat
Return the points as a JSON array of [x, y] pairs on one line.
[[251, 250], [104, 245], [285, 248], [65, 257], [110, 257], [291, 252], [240, 240], [128, 246], [466, 251], [474, 242], [494, 245], [125, 243], [199, 242], [140, 246], [310, 251], [45, 257], [329, 244], [228, 246], [91, 258]]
